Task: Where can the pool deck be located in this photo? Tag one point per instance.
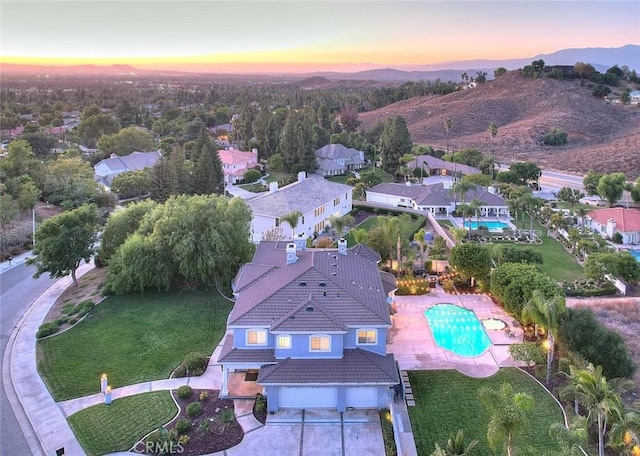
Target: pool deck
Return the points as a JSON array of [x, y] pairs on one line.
[[411, 341]]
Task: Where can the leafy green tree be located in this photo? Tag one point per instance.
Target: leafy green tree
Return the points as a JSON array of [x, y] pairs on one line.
[[508, 177], [508, 415], [189, 239], [28, 194], [370, 178], [131, 184], [527, 172], [8, 211], [545, 312], [379, 241], [394, 143], [69, 183], [251, 175], [92, 128], [527, 352], [570, 195], [40, 142], [471, 260], [276, 162], [618, 264], [164, 180], [127, 140], [121, 224], [63, 241], [493, 130], [477, 179], [20, 160], [611, 186], [590, 183], [499, 72], [556, 137]]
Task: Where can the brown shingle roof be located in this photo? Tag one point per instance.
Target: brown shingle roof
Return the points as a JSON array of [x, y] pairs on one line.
[[229, 354], [344, 289], [357, 366]]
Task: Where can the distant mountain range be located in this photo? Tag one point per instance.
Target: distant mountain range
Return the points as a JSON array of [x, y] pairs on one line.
[[600, 58]]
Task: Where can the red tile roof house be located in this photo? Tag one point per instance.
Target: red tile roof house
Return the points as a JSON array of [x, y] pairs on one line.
[[314, 323], [236, 162], [609, 221]]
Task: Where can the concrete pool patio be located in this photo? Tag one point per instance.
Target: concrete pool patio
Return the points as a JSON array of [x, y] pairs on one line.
[[411, 340]]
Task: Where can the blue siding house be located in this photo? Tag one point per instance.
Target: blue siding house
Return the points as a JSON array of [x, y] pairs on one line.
[[313, 324]]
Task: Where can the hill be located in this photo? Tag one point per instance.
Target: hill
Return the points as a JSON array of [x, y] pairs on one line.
[[602, 136]]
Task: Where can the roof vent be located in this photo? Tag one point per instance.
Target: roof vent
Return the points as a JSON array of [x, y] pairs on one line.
[[334, 274], [309, 309], [322, 284], [303, 284]]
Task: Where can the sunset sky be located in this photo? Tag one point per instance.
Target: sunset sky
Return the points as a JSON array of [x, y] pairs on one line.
[[297, 35]]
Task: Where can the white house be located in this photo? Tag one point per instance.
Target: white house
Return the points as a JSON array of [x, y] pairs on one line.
[[438, 199], [107, 169], [316, 198], [609, 221], [334, 159]]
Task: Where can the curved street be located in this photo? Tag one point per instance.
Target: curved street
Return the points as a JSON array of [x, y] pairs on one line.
[[18, 290]]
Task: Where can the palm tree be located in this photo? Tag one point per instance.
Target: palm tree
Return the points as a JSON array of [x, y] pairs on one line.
[[419, 238], [456, 445], [292, 218], [359, 235], [508, 414], [448, 123], [601, 397], [530, 204], [338, 223], [545, 312], [475, 206], [625, 431], [461, 188], [493, 130], [570, 440], [392, 230], [568, 391]]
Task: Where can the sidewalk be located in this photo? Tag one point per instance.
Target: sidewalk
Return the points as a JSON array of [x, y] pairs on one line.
[[15, 261]]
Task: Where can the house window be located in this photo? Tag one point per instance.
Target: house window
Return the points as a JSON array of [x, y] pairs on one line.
[[319, 211], [319, 227], [284, 342], [256, 337], [367, 336], [277, 222], [336, 201], [320, 343]]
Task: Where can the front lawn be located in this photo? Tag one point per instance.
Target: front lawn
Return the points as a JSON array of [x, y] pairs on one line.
[[117, 427], [132, 338], [447, 401]]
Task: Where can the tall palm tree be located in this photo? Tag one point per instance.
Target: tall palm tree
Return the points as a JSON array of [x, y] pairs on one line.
[[461, 188], [545, 312], [448, 124], [625, 431], [338, 223], [508, 414], [570, 440], [292, 218], [601, 397], [568, 391], [359, 235], [392, 229], [419, 238]]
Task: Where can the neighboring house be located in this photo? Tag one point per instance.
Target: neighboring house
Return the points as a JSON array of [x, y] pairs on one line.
[[336, 159], [313, 324], [433, 166], [438, 199], [57, 131], [634, 97], [316, 198], [110, 167], [236, 162], [609, 221]]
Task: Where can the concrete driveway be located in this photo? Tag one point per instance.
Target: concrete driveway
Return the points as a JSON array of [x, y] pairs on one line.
[[313, 433]]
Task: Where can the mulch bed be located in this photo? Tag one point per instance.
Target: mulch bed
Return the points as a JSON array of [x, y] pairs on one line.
[[211, 438]]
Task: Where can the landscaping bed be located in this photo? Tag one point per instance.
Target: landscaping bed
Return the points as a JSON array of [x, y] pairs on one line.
[[210, 425]]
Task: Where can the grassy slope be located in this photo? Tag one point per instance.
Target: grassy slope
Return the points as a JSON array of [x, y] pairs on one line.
[[117, 427], [447, 401], [133, 338]]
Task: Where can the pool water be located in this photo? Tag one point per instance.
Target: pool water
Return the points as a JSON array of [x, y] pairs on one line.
[[457, 329], [636, 254], [492, 225]]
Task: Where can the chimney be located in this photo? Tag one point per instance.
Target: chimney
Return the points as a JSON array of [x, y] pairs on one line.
[[302, 175], [113, 156], [611, 227], [491, 190], [273, 187], [300, 240], [254, 151], [342, 246], [291, 254]]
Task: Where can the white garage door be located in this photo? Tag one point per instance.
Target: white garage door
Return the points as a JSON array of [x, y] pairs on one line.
[[308, 397], [362, 397]]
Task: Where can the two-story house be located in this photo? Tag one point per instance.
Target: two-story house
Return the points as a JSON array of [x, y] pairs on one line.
[[236, 162], [334, 159], [314, 323], [316, 198]]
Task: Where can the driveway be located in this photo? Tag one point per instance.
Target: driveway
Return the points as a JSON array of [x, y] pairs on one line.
[[314, 433]]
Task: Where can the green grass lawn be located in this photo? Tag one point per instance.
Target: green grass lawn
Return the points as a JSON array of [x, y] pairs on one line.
[[558, 264], [132, 338], [587, 207], [117, 427], [342, 179], [407, 230], [447, 401]]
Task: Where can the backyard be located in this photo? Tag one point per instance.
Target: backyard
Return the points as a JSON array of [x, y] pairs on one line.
[[447, 401], [371, 221], [133, 338]]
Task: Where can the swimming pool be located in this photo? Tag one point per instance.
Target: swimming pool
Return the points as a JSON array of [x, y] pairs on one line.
[[636, 254], [457, 329], [492, 225]]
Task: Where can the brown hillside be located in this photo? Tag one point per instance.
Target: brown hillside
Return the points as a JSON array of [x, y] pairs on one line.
[[602, 136]]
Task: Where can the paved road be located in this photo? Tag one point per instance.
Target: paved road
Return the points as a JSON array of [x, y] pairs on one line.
[[17, 291], [557, 180]]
